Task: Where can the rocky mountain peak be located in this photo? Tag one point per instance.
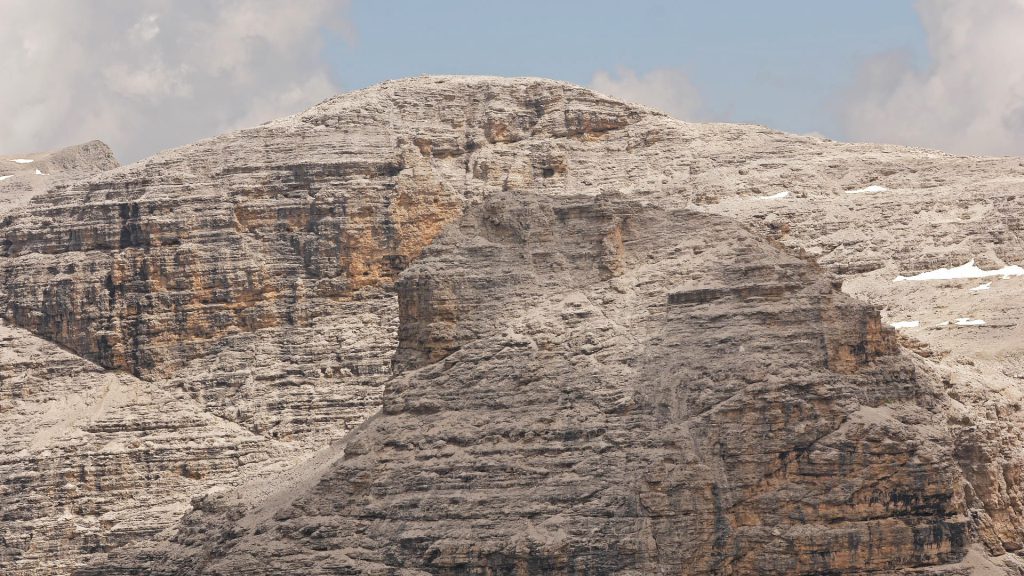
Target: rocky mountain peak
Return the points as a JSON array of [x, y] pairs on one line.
[[589, 338]]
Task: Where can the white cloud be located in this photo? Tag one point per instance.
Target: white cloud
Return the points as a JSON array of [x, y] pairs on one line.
[[663, 89], [970, 100], [150, 74]]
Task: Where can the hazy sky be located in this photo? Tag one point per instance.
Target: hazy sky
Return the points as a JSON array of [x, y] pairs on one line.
[[144, 75], [781, 63]]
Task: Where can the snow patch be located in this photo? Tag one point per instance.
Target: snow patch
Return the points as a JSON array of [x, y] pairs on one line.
[[40, 172], [968, 270], [984, 286], [869, 190], [905, 324], [2, 178], [782, 194], [23, 161], [969, 322]]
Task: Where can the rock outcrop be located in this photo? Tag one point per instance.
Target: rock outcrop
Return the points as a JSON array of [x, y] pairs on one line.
[[596, 386], [918, 212], [586, 341], [93, 459], [23, 178]]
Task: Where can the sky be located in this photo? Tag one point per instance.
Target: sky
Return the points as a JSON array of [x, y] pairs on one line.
[[145, 75]]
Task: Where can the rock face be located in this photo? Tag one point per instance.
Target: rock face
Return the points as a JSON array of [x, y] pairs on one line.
[[930, 211], [295, 224], [93, 459], [613, 351], [625, 390]]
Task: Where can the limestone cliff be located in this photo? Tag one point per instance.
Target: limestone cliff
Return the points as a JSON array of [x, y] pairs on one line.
[[93, 459], [582, 343], [609, 388]]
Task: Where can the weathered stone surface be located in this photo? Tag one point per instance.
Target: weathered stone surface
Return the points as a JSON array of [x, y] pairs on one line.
[[24, 177], [253, 276], [586, 416], [936, 211], [169, 261], [308, 383], [93, 459]]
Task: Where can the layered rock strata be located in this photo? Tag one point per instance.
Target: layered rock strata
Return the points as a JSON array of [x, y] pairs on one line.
[[598, 387], [93, 459], [253, 275], [24, 177]]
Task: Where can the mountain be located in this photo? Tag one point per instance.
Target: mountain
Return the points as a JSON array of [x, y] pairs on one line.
[[24, 177], [589, 339]]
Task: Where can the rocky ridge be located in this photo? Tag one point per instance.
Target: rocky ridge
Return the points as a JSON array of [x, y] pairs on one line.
[[252, 274], [27, 176]]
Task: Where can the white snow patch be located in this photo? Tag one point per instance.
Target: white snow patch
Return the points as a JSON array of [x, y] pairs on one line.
[[2, 178], [984, 286], [23, 161], [968, 270], [969, 322], [782, 194], [943, 323], [40, 173], [905, 324], [869, 190]]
